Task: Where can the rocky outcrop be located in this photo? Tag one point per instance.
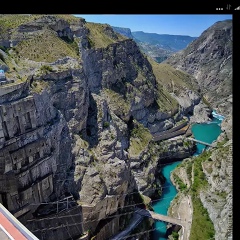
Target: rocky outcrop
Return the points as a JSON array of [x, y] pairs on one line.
[[209, 58], [225, 107], [226, 127], [201, 114], [32, 28], [187, 99], [217, 199]]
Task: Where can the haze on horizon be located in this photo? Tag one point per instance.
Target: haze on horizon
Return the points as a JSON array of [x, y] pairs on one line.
[[173, 24]]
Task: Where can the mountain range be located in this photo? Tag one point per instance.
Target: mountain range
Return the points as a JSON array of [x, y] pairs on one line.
[[157, 46]]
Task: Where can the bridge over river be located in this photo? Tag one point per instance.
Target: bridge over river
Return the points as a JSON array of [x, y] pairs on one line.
[[159, 217], [198, 141]]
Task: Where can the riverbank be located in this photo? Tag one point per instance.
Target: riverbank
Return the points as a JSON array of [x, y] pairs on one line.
[[181, 207]]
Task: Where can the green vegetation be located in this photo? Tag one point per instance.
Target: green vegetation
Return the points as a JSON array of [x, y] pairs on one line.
[[182, 186], [46, 68], [220, 144], [171, 79], [3, 48], [119, 104], [206, 102], [221, 194], [189, 166], [202, 226], [199, 176], [165, 101], [69, 18], [11, 21], [175, 235], [139, 139], [39, 86], [98, 38], [106, 124], [186, 143], [46, 47]]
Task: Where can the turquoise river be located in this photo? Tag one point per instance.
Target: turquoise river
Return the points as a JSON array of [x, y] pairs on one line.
[[206, 132]]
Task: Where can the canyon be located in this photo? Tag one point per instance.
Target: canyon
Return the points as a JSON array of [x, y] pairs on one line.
[[79, 110]]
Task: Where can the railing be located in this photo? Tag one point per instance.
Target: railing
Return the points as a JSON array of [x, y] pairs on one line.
[[18, 225]]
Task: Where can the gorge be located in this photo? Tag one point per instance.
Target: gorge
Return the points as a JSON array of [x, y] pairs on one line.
[[87, 120]]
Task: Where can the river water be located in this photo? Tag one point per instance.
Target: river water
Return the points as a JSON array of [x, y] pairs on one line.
[[206, 132]]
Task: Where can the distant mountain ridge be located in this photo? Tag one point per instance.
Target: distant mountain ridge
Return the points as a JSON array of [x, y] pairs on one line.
[[157, 46], [170, 42]]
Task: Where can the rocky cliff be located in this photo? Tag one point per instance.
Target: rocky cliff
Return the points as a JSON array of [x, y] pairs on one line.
[[124, 31], [209, 59]]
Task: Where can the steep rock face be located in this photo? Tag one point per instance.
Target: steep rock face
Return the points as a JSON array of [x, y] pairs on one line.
[[109, 165], [116, 65], [209, 60], [124, 31], [218, 197], [187, 99], [35, 144], [126, 74], [226, 127], [3, 57], [201, 113], [212, 190], [70, 85]]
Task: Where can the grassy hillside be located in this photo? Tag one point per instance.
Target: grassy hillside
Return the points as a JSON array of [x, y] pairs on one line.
[[69, 18], [45, 46], [100, 35], [11, 21], [139, 139], [172, 79]]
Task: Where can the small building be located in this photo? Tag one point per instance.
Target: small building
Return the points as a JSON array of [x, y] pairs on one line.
[[2, 75]]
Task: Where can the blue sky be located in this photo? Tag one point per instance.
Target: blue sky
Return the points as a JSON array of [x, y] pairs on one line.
[[191, 25]]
